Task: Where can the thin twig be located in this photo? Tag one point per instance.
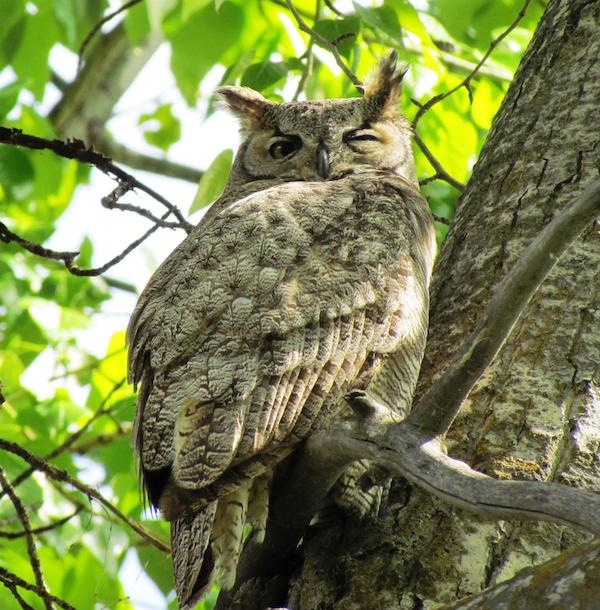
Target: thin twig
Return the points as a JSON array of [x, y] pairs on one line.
[[87, 367], [328, 45], [34, 559], [442, 220], [15, 593], [466, 82], [436, 411], [309, 57], [9, 577], [440, 172], [67, 258], [73, 438], [109, 203], [57, 474], [76, 149], [96, 28], [45, 528], [332, 8]]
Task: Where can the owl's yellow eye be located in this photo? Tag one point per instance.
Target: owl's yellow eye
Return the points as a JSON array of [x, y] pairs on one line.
[[285, 147]]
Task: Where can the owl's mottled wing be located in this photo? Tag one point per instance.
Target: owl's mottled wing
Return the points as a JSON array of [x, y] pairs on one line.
[[256, 325]]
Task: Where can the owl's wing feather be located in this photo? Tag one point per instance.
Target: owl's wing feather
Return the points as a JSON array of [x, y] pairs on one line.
[[256, 324]]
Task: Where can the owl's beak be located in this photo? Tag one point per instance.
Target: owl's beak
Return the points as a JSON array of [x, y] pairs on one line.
[[323, 160]]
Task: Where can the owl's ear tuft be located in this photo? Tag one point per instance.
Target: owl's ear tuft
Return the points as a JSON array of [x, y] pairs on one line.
[[247, 105], [384, 86]]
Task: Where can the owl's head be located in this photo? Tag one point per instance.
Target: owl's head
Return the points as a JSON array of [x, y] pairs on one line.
[[325, 139]]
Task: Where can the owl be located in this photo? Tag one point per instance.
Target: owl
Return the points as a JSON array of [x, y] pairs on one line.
[[307, 279]]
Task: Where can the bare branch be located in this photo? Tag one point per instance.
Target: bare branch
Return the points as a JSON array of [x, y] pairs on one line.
[[34, 559], [8, 578], [57, 474], [45, 528], [73, 438], [67, 258], [110, 202], [440, 405], [441, 173], [404, 451], [332, 8], [97, 27], [76, 149], [15, 593], [466, 82], [304, 27]]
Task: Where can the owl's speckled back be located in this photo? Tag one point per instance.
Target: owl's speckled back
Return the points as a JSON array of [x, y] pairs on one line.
[[306, 277]]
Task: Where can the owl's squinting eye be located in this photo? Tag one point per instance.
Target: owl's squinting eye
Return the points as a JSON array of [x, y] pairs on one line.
[[285, 147], [361, 135]]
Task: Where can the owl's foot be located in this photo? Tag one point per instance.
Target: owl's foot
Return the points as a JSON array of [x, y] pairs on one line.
[[368, 410]]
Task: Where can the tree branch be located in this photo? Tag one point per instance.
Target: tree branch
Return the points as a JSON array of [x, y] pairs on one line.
[[45, 528], [76, 149], [67, 258], [73, 438], [440, 172], [97, 26], [466, 83], [34, 559], [304, 27], [440, 405], [63, 476], [11, 580]]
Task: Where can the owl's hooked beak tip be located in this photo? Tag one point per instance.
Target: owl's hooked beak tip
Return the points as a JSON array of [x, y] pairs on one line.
[[323, 161]]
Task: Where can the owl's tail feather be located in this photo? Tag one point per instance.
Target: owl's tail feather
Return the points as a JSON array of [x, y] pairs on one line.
[[193, 561]]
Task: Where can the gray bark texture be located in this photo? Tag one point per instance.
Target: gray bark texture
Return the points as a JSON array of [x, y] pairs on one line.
[[535, 414]]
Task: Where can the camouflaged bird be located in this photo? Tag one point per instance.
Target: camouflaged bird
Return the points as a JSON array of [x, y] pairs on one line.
[[308, 274]]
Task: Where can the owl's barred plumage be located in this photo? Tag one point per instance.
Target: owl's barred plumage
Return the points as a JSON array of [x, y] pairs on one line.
[[307, 275]]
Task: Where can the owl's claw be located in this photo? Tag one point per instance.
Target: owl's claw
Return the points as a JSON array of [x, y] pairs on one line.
[[366, 407]]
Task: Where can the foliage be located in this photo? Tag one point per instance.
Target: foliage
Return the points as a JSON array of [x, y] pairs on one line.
[[43, 308]]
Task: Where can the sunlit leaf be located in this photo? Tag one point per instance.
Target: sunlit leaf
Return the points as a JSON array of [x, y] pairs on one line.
[[213, 182], [200, 42], [161, 127], [262, 75], [341, 32]]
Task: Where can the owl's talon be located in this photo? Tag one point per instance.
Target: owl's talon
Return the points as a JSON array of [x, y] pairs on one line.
[[365, 406]]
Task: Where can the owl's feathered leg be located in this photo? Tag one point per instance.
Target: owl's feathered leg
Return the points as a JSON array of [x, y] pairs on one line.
[[228, 533], [193, 562]]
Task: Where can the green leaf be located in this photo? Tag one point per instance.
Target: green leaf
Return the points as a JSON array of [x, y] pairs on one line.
[[137, 23], [12, 27], [200, 42], [16, 172], [262, 75], [30, 62], [381, 19], [9, 94], [158, 566], [162, 127], [342, 32], [409, 19], [213, 181], [67, 18]]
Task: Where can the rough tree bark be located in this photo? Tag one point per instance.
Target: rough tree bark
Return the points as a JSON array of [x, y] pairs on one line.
[[536, 412]]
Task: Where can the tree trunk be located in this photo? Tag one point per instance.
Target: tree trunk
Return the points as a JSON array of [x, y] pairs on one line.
[[535, 414]]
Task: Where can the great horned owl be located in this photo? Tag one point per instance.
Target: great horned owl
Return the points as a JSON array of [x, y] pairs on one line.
[[306, 279]]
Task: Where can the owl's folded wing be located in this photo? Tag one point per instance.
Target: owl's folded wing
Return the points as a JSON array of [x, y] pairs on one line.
[[254, 328]]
